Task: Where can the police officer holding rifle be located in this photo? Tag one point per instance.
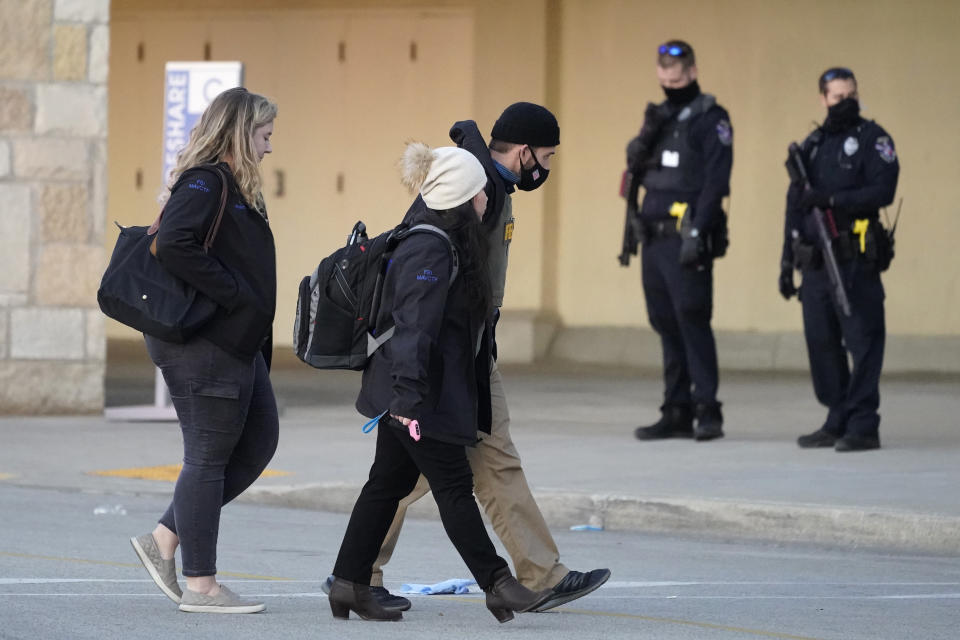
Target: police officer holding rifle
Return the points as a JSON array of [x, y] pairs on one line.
[[841, 176]]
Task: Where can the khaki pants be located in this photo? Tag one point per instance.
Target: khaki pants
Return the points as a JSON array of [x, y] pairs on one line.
[[501, 488]]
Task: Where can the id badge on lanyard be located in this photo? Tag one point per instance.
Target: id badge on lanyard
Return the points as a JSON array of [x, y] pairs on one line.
[[508, 231]]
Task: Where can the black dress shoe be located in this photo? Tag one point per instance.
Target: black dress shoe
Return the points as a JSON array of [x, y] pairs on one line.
[[389, 601], [819, 438], [856, 443], [575, 584], [386, 599]]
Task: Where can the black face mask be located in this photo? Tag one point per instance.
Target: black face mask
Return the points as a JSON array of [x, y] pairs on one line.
[[842, 115], [533, 177], [683, 95]]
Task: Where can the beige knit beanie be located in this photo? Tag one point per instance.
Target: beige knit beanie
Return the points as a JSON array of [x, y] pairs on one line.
[[446, 176]]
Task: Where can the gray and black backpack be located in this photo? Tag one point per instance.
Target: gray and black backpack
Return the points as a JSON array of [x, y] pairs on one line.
[[338, 304]]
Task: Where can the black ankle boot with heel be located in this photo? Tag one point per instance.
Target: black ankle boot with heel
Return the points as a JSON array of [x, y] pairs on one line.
[[506, 595], [348, 596]]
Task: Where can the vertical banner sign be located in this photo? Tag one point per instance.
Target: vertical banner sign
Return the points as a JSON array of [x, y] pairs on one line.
[[189, 88]]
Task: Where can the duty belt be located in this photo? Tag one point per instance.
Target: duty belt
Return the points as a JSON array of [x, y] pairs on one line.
[[653, 229], [859, 240]]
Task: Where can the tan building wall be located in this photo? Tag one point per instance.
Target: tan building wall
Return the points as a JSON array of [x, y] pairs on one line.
[[53, 130], [345, 121], [762, 59]]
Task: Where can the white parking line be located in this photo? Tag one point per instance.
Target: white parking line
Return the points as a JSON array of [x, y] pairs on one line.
[[609, 585], [631, 585], [147, 580], [684, 590], [594, 597], [308, 594]]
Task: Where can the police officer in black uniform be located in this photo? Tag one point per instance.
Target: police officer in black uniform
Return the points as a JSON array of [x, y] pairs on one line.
[[684, 154], [852, 167]]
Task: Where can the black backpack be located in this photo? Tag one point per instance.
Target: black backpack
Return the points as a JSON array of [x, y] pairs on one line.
[[338, 304]]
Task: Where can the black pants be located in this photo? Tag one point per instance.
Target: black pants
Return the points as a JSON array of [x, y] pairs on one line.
[[398, 463], [851, 396], [680, 306], [228, 416]]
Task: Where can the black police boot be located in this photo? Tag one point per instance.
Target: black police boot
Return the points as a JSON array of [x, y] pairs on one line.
[[676, 422], [819, 438], [857, 443], [709, 422]]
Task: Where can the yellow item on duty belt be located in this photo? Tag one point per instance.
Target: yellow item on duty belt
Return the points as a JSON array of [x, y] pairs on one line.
[[860, 228], [678, 210]]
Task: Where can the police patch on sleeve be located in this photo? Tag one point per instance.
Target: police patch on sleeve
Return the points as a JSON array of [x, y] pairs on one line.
[[884, 146], [724, 133]]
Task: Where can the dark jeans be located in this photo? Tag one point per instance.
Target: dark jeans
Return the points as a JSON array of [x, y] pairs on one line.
[[680, 305], [852, 395], [398, 463], [228, 416]]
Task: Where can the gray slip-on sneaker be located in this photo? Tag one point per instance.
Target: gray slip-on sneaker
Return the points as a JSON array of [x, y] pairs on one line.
[[163, 572], [224, 602]]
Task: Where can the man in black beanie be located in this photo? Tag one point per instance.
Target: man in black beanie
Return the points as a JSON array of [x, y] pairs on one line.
[[523, 142]]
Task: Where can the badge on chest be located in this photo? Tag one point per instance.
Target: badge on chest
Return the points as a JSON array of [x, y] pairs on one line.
[[851, 146], [670, 158]]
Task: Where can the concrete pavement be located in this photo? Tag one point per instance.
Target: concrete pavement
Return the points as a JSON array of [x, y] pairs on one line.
[[573, 428]]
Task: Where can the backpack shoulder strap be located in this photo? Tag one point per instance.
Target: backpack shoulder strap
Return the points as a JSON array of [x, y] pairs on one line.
[[374, 343], [429, 228]]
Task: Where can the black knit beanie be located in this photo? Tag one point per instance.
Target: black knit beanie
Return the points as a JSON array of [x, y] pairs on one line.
[[527, 123]]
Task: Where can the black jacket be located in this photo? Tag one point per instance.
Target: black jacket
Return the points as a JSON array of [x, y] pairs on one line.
[[428, 370], [239, 273], [858, 167], [466, 135], [711, 136]]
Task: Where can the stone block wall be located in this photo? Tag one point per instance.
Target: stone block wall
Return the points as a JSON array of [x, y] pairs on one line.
[[53, 167]]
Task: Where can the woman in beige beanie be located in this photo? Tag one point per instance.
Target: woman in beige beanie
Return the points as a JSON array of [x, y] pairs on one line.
[[426, 386]]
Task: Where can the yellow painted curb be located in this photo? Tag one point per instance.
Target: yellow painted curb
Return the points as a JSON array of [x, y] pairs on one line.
[[163, 473]]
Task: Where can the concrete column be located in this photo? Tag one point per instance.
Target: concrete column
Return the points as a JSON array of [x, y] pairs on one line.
[[53, 132]]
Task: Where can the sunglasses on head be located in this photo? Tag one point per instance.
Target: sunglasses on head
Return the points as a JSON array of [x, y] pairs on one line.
[[674, 50], [837, 73]]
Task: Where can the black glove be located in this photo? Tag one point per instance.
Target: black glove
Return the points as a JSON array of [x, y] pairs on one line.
[[815, 198], [787, 290], [638, 150], [654, 117], [631, 238], [691, 247], [636, 154]]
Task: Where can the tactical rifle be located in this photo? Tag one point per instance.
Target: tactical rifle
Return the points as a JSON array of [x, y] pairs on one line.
[[629, 188], [825, 234]]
